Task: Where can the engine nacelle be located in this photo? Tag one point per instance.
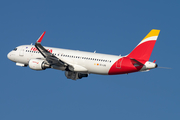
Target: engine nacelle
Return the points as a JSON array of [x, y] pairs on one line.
[[38, 64], [74, 75]]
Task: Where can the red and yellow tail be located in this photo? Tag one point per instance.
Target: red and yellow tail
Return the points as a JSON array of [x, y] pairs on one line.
[[144, 49]]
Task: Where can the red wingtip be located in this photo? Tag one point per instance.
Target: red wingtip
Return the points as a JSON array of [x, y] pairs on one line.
[[41, 37]]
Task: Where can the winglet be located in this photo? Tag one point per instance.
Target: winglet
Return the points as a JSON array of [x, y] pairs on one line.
[[41, 37]]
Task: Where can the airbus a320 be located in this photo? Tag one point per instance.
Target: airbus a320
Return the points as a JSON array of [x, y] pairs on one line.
[[79, 64]]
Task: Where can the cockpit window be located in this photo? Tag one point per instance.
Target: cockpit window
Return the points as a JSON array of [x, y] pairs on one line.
[[15, 49]]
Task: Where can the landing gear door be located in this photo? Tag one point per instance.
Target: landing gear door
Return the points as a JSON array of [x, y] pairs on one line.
[[21, 53], [119, 63]]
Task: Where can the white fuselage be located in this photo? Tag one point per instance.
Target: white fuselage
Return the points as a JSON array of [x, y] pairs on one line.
[[94, 62]]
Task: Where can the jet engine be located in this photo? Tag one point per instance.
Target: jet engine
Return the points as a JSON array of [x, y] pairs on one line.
[[74, 75], [38, 64]]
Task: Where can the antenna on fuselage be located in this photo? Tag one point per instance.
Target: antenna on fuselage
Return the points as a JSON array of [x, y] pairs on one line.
[[31, 43], [95, 51]]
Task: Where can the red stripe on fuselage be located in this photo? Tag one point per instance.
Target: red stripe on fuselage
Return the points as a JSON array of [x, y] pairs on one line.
[[124, 65]]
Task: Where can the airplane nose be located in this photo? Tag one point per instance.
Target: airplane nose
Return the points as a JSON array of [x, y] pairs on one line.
[[8, 55]]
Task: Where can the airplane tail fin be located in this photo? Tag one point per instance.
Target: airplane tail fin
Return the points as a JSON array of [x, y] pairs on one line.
[[144, 49]]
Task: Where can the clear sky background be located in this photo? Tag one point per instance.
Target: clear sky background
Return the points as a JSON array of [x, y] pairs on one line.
[[111, 27]]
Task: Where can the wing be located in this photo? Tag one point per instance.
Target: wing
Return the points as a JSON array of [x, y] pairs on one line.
[[55, 61], [50, 58]]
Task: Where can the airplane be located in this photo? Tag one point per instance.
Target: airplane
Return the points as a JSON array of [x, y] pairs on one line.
[[79, 64]]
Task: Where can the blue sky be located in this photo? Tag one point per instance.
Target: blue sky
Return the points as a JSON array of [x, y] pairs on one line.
[[112, 27]]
